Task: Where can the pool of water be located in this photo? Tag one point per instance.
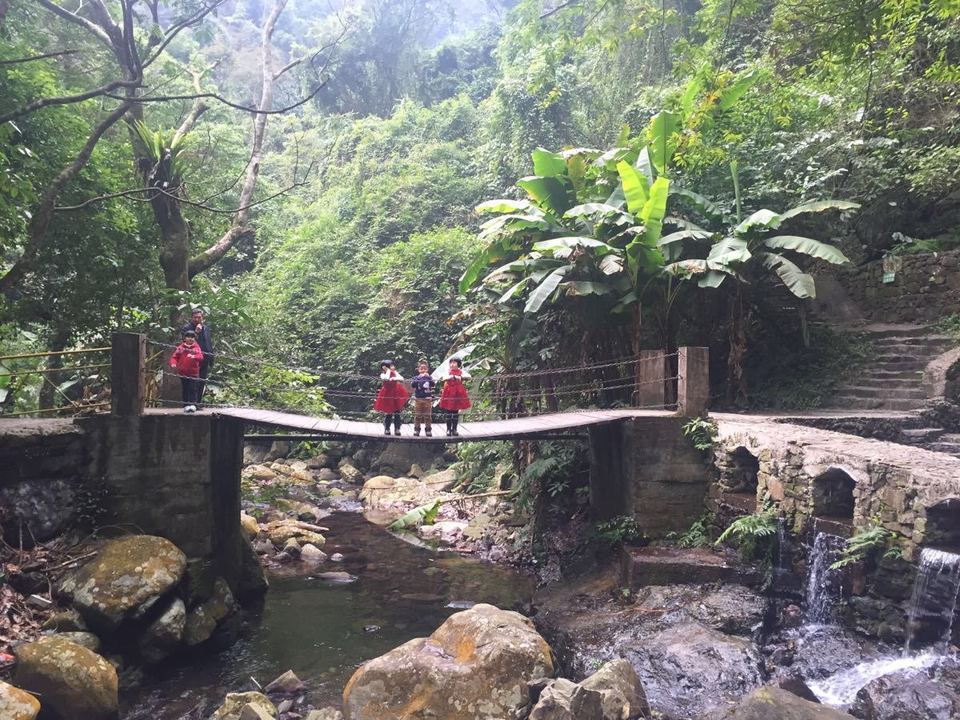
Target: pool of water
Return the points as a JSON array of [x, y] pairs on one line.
[[323, 631]]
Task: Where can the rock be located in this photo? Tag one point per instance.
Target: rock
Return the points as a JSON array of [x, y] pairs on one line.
[[252, 580], [798, 686], [255, 712], [397, 458], [362, 458], [202, 620], [415, 471], [301, 510], [15, 704], [127, 576], [325, 714], [909, 695], [280, 531], [44, 508], [249, 525], [165, 633], [326, 475], [446, 531], [235, 703], [292, 548], [770, 703], [84, 639], [254, 453], [690, 667], [623, 695], [442, 481], [259, 472], [318, 462], [73, 681], [337, 577], [383, 492], [476, 665], [312, 554], [286, 684], [263, 547], [68, 620], [565, 700], [278, 449], [348, 473]]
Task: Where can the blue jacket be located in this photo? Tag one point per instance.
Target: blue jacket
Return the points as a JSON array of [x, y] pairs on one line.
[[423, 386]]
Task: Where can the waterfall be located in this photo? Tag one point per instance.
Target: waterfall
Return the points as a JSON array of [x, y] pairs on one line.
[[934, 600], [823, 584]]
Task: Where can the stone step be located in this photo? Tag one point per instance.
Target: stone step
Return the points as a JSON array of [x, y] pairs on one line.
[[950, 438], [640, 567], [845, 402], [880, 374], [879, 331], [923, 434], [918, 340], [883, 392], [918, 351], [898, 363], [886, 383], [945, 447]]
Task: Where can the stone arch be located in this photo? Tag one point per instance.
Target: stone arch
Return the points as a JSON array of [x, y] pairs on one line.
[[833, 494], [740, 473], [943, 525]]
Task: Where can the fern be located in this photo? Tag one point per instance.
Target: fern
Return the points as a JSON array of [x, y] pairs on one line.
[[748, 531], [703, 433], [867, 542]]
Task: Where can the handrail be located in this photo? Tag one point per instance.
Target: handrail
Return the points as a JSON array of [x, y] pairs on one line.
[[53, 353], [55, 370], [79, 408]]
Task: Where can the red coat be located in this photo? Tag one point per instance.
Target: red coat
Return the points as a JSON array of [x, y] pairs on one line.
[[393, 395], [186, 359], [454, 395]]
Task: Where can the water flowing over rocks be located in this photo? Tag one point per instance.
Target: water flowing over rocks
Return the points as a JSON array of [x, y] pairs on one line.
[[73, 681], [770, 703], [913, 694], [476, 665], [15, 704], [126, 577]]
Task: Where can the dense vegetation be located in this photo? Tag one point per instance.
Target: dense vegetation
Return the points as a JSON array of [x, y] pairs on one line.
[[336, 232]]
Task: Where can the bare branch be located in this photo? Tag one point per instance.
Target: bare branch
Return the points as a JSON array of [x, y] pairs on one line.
[[67, 99], [198, 109], [178, 27], [38, 57], [223, 100], [44, 213], [87, 25]]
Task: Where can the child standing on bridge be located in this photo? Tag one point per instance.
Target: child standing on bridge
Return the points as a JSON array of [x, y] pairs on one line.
[[391, 398], [423, 385], [187, 359], [454, 397]]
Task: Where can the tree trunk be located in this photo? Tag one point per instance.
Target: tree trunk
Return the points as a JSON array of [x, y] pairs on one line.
[[736, 384]]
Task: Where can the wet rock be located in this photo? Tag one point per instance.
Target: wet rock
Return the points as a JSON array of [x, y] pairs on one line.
[[202, 620], [312, 554], [337, 578], [164, 635], [264, 547], [769, 703], [235, 703], [43, 508], [621, 689], [325, 475], [350, 474], [384, 492], [301, 509], [256, 712], [249, 525], [798, 686], [15, 704], [73, 681], [84, 639], [318, 462], [565, 700], [446, 531], [336, 557], [68, 620], [280, 531], [125, 578], [252, 580], [909, 695], [476, 665], [689, 667], [292, 548], [286, 684], [733, 609]]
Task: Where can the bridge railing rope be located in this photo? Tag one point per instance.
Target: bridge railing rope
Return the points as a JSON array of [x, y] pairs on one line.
[[643, 381], [63, 382]]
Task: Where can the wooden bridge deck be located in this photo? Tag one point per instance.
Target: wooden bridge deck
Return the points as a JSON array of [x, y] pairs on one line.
[[539, 426]]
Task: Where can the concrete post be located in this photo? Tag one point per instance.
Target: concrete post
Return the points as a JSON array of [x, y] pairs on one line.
[[651, 374], [128, 360], [693, 385]]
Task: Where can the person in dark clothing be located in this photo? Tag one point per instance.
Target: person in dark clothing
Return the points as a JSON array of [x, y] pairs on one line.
[[423, 385], [202, 331]]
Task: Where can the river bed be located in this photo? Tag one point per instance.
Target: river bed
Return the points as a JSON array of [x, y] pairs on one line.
[[323, 631]]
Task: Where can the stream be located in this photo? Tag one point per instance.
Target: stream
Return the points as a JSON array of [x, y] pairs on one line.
[[323, 631]]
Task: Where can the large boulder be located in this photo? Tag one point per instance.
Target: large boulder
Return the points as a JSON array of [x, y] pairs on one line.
[[15, 704], [623, 695], [475, 666], [910, 695], [771, 703], [348, 473], [73, 681], [128, 575], [235, 704], [164, 634], [565, 700]]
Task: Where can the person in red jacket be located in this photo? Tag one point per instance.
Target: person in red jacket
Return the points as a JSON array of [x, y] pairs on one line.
[[391, 398], [187, 359], [454, 397]]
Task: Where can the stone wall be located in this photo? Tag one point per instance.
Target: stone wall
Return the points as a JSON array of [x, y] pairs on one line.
[[646, 468], [41, 477], [925, 288]]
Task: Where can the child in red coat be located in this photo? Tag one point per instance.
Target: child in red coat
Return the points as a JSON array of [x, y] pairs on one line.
[[454, 397], [391, 398], [187, 359]]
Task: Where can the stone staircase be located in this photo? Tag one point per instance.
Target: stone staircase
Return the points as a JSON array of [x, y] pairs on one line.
[[893, 378]]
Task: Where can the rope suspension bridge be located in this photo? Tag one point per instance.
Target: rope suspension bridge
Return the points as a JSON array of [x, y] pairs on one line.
[[322, 403]]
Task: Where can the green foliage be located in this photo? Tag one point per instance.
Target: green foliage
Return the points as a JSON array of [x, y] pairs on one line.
[[750, 532], [422, 515], [622, 528], [697, 535], [485, 466], [702, 431], [950, 325], [867, 542]]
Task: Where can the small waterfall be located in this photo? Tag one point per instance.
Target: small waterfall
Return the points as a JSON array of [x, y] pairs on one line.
[[840, 690], [783, 569], [823, 584], [934, 600]]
